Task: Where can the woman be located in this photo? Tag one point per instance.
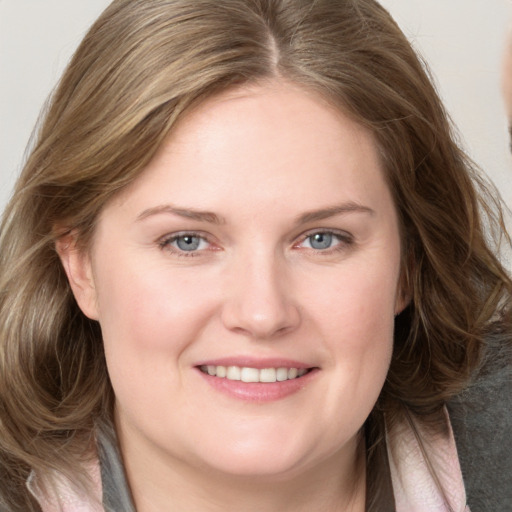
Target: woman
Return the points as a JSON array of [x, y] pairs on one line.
[[244, 267]]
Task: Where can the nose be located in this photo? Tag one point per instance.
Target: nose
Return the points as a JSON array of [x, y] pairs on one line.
[[259, 300]]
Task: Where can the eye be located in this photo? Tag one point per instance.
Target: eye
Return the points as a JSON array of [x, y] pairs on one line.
[[325, 240], [185, 243], [320, 241]]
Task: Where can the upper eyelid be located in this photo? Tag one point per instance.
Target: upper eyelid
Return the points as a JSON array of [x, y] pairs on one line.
[[345, 241], [177, 234], [337, 232], [170, 237]]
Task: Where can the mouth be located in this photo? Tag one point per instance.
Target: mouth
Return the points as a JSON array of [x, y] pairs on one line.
[[257, 380], [255, 375]]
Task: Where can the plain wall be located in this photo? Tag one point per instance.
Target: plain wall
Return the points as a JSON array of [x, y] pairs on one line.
[[461, 39]]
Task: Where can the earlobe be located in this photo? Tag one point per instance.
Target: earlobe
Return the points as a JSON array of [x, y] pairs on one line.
[[403, 299], [404, 289], [77, 265]]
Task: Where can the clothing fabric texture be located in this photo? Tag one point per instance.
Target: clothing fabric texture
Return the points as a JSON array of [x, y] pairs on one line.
[[481, 417], [414, 488]]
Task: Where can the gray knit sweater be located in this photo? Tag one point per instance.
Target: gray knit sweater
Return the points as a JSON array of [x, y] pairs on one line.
[[481, 418]]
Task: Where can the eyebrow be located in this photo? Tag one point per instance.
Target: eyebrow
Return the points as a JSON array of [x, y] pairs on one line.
[[332, 211], [213, 218], [187, 213]]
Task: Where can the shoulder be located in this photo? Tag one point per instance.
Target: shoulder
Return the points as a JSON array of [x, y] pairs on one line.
[[481, 418]]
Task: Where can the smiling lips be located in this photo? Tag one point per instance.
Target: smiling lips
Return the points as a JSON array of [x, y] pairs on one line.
[[248, 374], [257, 380]]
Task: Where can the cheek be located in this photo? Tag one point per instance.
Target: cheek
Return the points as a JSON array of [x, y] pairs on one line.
[[148, 318], [356, 319], [148, 322], [358, 305], [369, 316]]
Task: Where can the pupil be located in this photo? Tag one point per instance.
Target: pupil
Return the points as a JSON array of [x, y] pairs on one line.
[[188, 243], [321, 241]]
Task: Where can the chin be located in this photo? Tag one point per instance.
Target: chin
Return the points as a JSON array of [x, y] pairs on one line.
[[253, 459], [258, 468]]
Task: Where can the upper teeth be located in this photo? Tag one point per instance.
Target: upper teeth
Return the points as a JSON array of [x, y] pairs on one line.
[[247, 374]]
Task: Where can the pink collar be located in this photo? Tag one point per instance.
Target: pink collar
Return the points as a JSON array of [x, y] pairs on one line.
[[414, 487], [56, 493]]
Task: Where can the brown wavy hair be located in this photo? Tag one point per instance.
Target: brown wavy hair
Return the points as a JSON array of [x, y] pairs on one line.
[[141, 67]]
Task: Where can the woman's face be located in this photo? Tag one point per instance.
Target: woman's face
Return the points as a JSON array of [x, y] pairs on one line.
[[261, 243]]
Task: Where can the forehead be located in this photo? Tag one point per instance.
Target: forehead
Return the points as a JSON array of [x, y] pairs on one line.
[[255, 147]]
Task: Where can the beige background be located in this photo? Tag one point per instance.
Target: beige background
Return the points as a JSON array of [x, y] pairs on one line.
[[461, 39]]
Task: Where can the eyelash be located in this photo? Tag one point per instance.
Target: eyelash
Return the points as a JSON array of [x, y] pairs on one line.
[[345, 240], [166, 243]]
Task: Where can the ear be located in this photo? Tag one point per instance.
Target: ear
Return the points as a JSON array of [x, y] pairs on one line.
[[404, 292], [78, 268], [403, 299]]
